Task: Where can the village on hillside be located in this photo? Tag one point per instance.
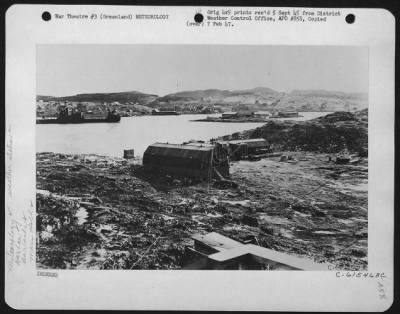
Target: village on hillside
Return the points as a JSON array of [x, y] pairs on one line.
[[236, 105]]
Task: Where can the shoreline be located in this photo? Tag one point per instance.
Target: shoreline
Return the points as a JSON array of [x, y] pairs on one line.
[[244, 120], [231, 120]]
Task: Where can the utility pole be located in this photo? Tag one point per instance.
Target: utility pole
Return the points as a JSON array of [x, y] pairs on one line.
[[210, 170]]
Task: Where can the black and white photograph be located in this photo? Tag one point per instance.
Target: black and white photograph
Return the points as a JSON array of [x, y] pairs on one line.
[[201, 157]]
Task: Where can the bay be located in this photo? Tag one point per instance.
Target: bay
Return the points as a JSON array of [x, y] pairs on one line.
[[110, 139]]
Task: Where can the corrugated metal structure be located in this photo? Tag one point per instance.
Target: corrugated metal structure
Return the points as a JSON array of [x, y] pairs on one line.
[[193, 159], [242, 148], [251, 143]]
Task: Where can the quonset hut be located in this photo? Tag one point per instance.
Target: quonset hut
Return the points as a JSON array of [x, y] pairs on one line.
[[192, 160]]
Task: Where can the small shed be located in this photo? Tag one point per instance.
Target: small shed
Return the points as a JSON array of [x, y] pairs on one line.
[[192, 160], [240, 148], [129, 153]]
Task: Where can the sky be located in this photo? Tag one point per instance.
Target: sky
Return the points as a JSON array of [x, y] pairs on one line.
[[65, 70]]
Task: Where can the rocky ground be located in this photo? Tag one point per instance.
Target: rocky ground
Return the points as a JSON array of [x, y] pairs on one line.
[[98, 212], [333, 133], [231, 120]]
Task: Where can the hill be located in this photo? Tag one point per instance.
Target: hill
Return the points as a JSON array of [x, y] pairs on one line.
[[263, 98], [322, 100], [122, 97], [249, 96], [259, 98], [332, 133]]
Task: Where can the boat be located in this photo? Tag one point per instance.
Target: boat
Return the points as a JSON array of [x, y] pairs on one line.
[[286, 114], [67, 117], [156, 112]]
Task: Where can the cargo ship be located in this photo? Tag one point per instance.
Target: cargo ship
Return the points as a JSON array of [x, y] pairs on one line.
[[65, 116]]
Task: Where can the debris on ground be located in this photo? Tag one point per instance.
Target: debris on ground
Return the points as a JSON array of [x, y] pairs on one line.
[[97, 212]]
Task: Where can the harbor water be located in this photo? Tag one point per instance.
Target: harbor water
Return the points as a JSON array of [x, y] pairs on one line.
[[110, 139]]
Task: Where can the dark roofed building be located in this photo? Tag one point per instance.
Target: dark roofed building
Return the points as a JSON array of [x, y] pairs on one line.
[[197, 160], [242, 148], [228, 115], [251, 143]]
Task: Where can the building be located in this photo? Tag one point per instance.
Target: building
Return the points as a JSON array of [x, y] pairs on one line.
[[262, 114], [215, 251], [198, 160], [229, 115], [241, 107], [129, 153], [245, 113], [287, 114], [243, 148], [81, 107]]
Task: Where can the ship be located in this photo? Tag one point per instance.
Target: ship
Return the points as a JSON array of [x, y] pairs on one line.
[[157, 112], [75, 116]]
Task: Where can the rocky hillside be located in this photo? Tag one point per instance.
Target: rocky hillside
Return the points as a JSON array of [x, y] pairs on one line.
[[259, 98], [322, 100], [263, 98], [122, 97], [332, 133], [224, 96]]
